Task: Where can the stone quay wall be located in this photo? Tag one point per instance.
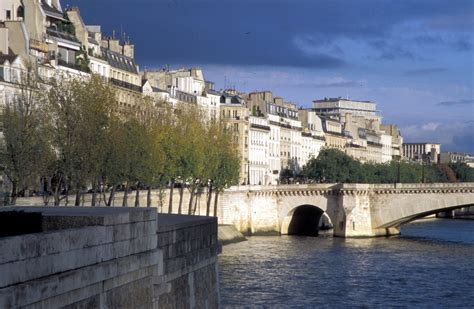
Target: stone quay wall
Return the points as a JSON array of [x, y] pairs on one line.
[[189, 246], [107, 258]]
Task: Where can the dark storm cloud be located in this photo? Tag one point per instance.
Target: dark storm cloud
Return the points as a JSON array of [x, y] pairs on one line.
[[464, 141], [260, 31]]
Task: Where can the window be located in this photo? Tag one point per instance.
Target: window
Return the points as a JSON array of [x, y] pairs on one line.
[[20, 12], [9, 15]]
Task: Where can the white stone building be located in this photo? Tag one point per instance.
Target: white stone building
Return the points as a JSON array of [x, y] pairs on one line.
[[422, 152], [259, 136]]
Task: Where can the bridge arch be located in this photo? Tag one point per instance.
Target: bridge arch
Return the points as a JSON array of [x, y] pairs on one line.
[[407, 219], [305, 220]]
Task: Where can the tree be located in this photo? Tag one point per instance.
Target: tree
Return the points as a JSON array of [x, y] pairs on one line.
[[190, 157], [26, 150], [463, 172], [332, 166], [79, 112], [228, 166]]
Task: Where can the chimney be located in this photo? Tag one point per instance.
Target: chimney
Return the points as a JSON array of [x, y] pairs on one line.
[[4, 41], [348, 119], [114, 45], [129, 50], [55, 4]]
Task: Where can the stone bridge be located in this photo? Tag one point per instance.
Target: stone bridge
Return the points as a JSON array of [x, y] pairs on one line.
[[355, 210]]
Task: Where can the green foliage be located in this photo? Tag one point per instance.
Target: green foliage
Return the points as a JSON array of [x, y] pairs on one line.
[[463, 172], [26, 153], [70, 135], [333, 166]]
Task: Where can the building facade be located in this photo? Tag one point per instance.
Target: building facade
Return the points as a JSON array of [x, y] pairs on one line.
[[422, 152]]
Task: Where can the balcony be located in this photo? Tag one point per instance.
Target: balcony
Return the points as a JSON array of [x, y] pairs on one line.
[[259, 126], [73, 66], [38, 45], [63, 35]]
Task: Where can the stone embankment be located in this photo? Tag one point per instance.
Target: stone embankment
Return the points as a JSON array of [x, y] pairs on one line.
[[228, 234], [107, 258]]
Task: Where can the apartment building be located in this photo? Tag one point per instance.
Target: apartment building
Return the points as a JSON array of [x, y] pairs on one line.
[[259, 139], [312, 136], [235, 115], [186, 86], [422, 152]]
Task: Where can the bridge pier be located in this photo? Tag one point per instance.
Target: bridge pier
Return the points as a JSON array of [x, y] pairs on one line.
[[353, 213]]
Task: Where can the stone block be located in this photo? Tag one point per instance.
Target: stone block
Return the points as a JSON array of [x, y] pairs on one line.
[[132, 230], [34, 290], [23, 247], [68, 298], [123, 279], [137, 294]]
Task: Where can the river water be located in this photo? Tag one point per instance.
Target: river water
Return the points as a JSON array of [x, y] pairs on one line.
[[430, 265]]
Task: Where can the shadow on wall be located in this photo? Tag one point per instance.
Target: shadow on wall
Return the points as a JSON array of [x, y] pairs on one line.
[[305, 221]]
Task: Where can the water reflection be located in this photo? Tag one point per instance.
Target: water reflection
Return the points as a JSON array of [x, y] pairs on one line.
[[326, 271]]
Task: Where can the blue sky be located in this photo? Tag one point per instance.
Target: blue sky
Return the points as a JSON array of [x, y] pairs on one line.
[[414, 58]]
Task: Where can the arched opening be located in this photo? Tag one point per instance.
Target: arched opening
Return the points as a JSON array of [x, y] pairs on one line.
[[421, 215], [305, 221]]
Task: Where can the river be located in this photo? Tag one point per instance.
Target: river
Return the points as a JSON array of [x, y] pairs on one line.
[[430, 265]]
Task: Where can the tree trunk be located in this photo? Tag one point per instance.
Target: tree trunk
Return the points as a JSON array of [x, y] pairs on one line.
[[46, 184], [209, 198], [125, 196], [56, 192], [216, 198], [56, 195], [77, 202], [197, 200], [137, 197], [191, 199], [111, 196], [14, 193], [170, 206], [148, 197], [181, 192], [94, 195], [66, 187]]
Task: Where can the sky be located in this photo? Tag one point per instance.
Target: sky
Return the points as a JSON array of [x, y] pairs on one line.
[[415, 59]]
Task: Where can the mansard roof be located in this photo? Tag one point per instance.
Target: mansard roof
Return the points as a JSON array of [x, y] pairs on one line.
[[51, 11], [119, 61]]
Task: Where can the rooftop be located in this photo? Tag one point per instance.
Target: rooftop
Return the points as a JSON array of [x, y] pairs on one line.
[[10, 58], [341, 99], [119, 61], [51, 11]]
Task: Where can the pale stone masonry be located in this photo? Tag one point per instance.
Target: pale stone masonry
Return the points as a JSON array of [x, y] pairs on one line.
[[108, 258], [422, 152], [355, 210], [189, 246]]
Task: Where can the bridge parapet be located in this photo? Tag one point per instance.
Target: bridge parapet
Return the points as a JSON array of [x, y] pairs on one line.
[[414, 188]]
